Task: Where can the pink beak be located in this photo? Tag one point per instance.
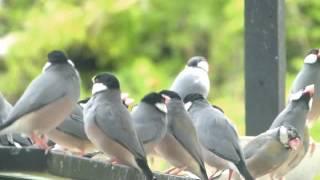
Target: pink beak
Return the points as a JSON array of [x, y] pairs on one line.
[[294, 143], [166, 99]]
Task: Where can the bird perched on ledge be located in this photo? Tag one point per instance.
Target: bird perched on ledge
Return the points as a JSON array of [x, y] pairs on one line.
[[47, 101], [108, 125]]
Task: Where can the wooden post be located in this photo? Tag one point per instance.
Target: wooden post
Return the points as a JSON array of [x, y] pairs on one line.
[[265, 63]]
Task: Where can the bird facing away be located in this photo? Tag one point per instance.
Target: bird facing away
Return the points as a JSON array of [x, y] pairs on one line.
[[180, 146], [269, 150], [109, 126], [310, 74], [193, 78], [295, 115], [219, 140], [46, 102], [10, 139], [149, 118]]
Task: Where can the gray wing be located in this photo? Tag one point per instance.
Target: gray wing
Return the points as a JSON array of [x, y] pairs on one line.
[[5, 108], [148, 124], [219, 136], [184, 131], [119, 127], [46, 88], [74, 124]]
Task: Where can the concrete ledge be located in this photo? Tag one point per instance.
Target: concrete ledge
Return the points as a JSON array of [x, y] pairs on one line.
[[67, 166]]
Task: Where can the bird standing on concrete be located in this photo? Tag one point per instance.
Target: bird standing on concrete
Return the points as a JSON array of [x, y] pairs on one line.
[[149, 118], [219, 139], [109, 126], [180, 146], [193, 79], [47, 100]]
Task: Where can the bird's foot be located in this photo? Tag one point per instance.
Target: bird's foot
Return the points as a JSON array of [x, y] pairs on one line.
[[230, 174], [41, 142]]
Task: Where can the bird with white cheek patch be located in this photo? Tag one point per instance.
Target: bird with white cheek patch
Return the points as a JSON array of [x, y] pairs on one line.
[[193, 78], [269, 150], [47, 101], [180, 145], [219, 140], [295, 115], [149, 118], [109, 126]]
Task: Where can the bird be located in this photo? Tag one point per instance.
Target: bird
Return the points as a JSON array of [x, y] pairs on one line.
[[219, 140], [48, 99], [193, 78], [70, 134], [14, 139], [310, 74], [295, 114], [270, 149], [180, 145], [109, 126], [149, 119]]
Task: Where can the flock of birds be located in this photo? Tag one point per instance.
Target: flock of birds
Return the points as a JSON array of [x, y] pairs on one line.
[[180, 124]]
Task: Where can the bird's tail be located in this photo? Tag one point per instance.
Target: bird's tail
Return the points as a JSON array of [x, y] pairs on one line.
[[143, 164], [242, 167], [203, 172]]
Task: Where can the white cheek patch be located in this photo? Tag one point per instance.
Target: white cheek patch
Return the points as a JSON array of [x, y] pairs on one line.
[[162, 107], [70, 62], [188, 105], [310, 59], [284, 135], [46, 66], [296, 96], [98, 87], [204, 65]]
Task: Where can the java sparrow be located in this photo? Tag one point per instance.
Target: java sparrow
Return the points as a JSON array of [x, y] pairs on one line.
[[109, 126], [149, 119], [193, 78], [310, 74], [46, 102], [180, 146], [10, 139], [219, 139], [269, 150], [295, 114], [70, 134]]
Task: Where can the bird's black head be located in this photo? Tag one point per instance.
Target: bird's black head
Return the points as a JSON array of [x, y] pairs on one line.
[[170, 94], [198, 62], [153, 98], [193, 97], [312, 57], [107, 79], [57, 56]]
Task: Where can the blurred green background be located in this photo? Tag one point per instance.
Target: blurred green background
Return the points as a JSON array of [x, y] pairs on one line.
[[144, 42]]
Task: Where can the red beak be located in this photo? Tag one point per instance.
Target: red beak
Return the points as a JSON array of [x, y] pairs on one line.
[[294, 143]]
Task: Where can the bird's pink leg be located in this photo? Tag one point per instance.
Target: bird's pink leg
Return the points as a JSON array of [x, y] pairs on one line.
[[168, 171], [41, 142], [312, 147], [230, 174]]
